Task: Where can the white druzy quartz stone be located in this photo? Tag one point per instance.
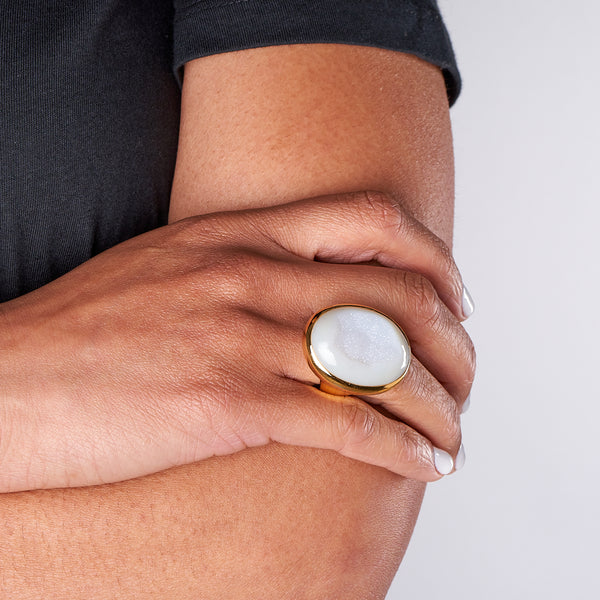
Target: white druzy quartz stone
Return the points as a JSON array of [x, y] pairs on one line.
[[360, 346]]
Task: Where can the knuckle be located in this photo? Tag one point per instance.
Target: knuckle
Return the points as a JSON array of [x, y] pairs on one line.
[[191, 231], [467, 357], [423, 301], [233, 277], [444, 259], [407, 443], [380, 210], [470, 360], [452, 422], [411, 447], [445, 409], [447, 268], [359, 425]]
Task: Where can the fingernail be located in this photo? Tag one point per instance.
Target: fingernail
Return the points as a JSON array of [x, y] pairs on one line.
[[468, 306], [443, 461], [459, 463], [466, 405]]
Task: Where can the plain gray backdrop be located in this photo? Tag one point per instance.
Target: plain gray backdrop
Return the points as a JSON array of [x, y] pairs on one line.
[[521, 520]]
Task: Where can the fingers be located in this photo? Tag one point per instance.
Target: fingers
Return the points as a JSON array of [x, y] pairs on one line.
[[438, 340], [419, 400], [307, 417], [422, 403], [284, 276], [368, 226], [363, 227], [290, 412]]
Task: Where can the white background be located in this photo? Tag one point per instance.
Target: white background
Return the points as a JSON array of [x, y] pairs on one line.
[[522, 520]]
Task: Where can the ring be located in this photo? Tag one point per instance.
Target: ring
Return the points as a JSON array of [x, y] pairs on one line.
[[355, 349]]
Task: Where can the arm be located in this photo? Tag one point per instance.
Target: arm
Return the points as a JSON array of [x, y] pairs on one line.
[[243, 523], [276, 124], [282, 123]]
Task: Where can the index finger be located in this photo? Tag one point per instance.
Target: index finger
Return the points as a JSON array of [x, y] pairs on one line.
[[367, 226]]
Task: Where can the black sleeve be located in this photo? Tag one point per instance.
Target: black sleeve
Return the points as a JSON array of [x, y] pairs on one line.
[[204, 27]]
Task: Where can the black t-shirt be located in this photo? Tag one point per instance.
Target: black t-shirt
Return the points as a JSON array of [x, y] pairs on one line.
[[89, 106]]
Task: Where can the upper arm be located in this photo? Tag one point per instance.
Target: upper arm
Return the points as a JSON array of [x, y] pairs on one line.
[[272, 125]]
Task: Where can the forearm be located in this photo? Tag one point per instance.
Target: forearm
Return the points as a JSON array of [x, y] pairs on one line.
[[257, 524]]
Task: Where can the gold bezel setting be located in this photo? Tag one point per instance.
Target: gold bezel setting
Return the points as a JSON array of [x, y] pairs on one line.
[[331, 383]]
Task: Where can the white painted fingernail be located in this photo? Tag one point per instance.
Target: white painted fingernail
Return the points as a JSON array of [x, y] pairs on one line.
[[443, 461], [466, 405], [468, 306], [459, 463]]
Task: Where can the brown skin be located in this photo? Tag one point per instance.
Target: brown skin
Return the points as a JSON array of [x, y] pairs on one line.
[[249, 525], [276, 521], [118, 393]]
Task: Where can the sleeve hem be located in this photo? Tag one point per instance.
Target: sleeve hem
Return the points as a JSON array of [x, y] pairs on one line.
[[415, 27]]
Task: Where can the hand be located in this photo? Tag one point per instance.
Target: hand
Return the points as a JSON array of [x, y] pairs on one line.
[[186, 342]]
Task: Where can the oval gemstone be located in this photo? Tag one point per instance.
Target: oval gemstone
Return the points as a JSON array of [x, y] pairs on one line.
[[360, 346]]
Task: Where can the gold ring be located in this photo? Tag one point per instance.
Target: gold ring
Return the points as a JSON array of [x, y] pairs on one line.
[[356, 350]]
